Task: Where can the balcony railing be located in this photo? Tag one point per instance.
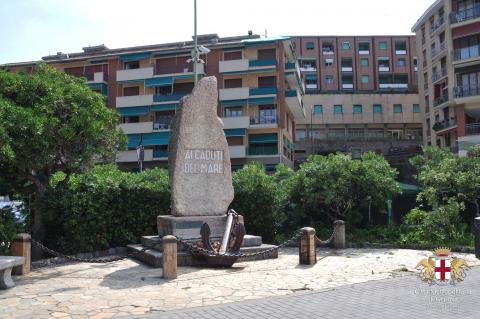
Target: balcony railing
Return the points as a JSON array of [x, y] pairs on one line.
[[263, 91], [262, 120], [466, 53], [168, 97], [472, 129], [465, 91], [437, 25], [262, 150], [265, 62], [442, 125], [160, 153], [440, 100], [289, 65], [439, 50], [465, 15], [161, 126], [438, 75]]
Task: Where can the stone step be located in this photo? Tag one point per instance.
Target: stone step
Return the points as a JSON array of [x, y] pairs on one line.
[[153, 257], [155, 242]]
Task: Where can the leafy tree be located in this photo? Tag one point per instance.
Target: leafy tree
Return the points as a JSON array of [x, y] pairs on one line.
[[338, 186], [51, 122]]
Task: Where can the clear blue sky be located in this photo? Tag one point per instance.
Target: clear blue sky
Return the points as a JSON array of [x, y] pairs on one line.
[[30, 29]]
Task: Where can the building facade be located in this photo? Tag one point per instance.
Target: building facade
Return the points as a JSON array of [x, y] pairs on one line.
[[260, 93], [448, 37], [361, 95]]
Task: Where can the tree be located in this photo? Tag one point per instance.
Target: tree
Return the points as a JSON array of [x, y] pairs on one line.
[[338, 185], [51, 122], [444, 175]]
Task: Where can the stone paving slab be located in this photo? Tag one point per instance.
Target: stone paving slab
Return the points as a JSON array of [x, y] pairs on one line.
[[127, 288], [405, 297]]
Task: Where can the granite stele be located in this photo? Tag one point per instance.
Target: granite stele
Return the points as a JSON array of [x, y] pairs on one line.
[[200, 177]]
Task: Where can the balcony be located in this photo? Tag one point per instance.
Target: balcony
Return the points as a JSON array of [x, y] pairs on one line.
[[234, 93], [347, 69], [439, 75], [347, 86], [136, 128], [328, 52], [472, 129], [290, 66], [262, 150], [237, 151], [465, 15], [383, 68], [401, 52], [437, 25], [134, 74], [262, 63], [466, 91], [295, 103], [393, 85], [436, 51], [364, 52], [441, 99], [131, 156], [443, 125], [308, 68], [168, 97], [466, 53], [157, 126], [236, 122], [264, 121], [134, 100]]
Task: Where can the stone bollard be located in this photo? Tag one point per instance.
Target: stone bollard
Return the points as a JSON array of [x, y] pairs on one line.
[[21, 246], [476, 228], [169, 257], [339, 237], [308, 249]]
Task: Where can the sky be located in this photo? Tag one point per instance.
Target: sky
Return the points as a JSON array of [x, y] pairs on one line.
[[30, 29]]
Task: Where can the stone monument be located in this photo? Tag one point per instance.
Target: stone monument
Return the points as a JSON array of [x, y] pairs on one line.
[[200, 178]]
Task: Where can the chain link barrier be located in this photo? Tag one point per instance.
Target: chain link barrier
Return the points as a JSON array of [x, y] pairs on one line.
[[97, 260], [325, 242]]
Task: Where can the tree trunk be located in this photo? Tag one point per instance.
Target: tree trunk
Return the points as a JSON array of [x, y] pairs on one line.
[[477, 207], [38, 231]]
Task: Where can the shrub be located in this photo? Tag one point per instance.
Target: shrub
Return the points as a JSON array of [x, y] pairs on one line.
[[256, 199], [104, 207], [9, 227]]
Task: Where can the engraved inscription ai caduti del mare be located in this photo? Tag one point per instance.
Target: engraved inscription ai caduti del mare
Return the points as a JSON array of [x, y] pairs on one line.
[[202, 161]]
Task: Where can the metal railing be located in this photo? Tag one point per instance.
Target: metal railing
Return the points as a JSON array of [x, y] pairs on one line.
[[263, 91], [440, 100], [161, 126], [439, 50], [266, 119], [465, 15], [262, 150], [466, 53], [464, 91], [263, 62], [439, 74], [442, 125], [437, 25], [472, 129], [167, 97], [359, 136]]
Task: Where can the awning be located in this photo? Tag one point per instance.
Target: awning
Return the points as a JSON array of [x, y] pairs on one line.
[[135, 56], [262, 41], [133, 140], [163, 81], [164, 107], [160, 138], [235, 102], [311, 76], [263, 138], [235, 132], [262, 100], [133, 111]]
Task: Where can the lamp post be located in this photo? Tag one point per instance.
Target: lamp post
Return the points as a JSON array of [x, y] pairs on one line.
[[311, 129], [195, 49]]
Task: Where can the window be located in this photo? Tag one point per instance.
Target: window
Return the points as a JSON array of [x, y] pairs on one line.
[[357, 108], [232, 55], [317, 109], [310, 46], [377, 108], [267, 81], [267, 54], [131, 65], [397, 108], [365, 79], [364, 61], [328, 62], [346, 45], [329, 79], [233, 83], [382, 45], [327, 47], [364, 47], [402, 62], [400, 47], [130, 91], [131, 119], [416, 108], [337, 109], [234, 111], [300, 135]]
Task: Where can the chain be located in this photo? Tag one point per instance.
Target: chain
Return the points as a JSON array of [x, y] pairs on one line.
[[325, 242], [84, 260]]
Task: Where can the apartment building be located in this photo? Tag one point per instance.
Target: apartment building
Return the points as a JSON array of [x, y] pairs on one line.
[[448, 37], [361, 95], [260, 93]]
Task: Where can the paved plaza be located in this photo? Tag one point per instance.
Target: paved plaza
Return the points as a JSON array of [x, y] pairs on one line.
[[127, 288]]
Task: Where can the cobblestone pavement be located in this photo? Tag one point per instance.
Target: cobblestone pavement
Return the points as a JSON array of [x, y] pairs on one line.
[[127, 288], [405, 297]]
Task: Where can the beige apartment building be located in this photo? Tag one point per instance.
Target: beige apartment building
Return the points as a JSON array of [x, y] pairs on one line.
[[448, 37], [361, 95]]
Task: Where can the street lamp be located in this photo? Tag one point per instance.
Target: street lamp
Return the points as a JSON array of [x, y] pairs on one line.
[[196, 49]]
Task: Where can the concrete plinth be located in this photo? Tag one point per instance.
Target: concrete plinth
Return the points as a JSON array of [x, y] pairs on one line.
[[189, 227]]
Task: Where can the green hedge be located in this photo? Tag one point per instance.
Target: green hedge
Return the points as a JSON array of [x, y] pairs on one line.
[[104, 208]]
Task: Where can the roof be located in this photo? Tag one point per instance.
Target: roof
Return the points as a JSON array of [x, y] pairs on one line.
[[426, 14]]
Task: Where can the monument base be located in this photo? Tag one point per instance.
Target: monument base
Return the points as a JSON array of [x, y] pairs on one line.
[[188, 228]]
